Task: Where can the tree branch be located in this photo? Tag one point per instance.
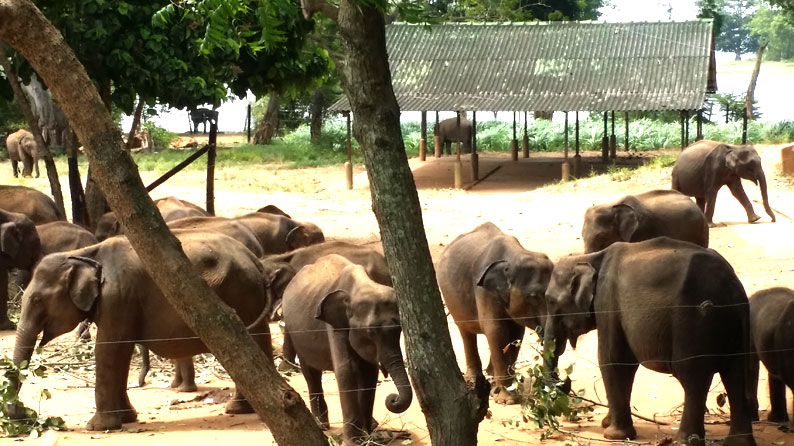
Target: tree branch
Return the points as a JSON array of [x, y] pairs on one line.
[[311, 7]]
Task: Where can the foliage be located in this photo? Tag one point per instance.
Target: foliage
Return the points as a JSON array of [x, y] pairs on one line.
[[732, 105], [734, 35], [774, 28], [517, 10], [161, 138], [32, 424]]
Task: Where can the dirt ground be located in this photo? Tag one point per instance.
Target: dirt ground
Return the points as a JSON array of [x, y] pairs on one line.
[[522, 198]]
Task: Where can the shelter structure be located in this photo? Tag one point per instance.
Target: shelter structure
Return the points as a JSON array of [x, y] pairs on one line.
[[546, 67]]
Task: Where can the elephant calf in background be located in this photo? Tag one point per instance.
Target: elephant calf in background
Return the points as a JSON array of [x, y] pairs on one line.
[[340, 319], [669, 305], [171, 208], [705, 166], [20, 248], [772, 322], [493, 286], [22, 147], [25, 200], [635, 218], [449, 132]]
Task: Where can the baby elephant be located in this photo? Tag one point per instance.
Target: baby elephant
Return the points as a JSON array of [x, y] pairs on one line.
[[339, 319], [772, 329], [635, 218]]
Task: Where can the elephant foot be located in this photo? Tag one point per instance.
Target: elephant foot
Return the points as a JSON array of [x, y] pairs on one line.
[[187, 387], [239, 406], [716, 225], [606, 421], [111, 421], [6, 324], [752, 218], [777, 416], [503, 396], [615, 433], [692, 439], [287, 367], [740, 440]]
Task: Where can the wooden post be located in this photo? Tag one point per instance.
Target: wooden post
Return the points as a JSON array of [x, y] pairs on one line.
[[213, 139], [423, 137], [248, 122], [577, 159], [514, 142], [612, 139], [475, 157], [605, 140], [699, 125], [525, 139], [626, 131], [436, 140], [566, 168], [349, 162], [686, 127], [458, 166], [683, 143], [744, 126]]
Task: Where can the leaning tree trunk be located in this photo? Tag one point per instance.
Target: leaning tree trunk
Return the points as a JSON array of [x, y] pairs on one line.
[[136, 120], [452, 409], [269, 123], [316, 111], [24, 27], [22, 100], [95, 203], [748, 100]]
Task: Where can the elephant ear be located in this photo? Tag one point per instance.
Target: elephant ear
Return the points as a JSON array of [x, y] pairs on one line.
[[272, 209], [731, 158], [494, 277], [626, 221], [85, 282], [10, 239], [298, 237], [583, 286], [332, 309]]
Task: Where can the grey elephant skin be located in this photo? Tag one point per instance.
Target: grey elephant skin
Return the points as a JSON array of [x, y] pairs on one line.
[[171, 209], [669, 305], [449, 132], [771, 320], [635, 218], [20, 248], [493, 286], [25, 200], [22, 147], [108, 284], [61, 236], [339, 319], [704, 167]]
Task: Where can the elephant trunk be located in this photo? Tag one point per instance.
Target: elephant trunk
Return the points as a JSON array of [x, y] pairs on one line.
[[762, 184], [393, 363], [23, 350], [550, 338]]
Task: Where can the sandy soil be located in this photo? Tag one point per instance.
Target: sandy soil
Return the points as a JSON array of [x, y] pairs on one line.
[[545, 218]]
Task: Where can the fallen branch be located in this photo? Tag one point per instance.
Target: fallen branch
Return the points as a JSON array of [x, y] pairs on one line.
[[650, 420], [603, 440]]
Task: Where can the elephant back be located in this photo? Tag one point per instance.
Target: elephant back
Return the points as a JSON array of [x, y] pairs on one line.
[[28, 201]]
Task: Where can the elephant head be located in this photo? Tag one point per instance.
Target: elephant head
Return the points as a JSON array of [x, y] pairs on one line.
[[744, 162], [20, 245], [606, 224], [277, 276], [569, 299], [519, 280], [107, 226], [369, 311], [304, 234]]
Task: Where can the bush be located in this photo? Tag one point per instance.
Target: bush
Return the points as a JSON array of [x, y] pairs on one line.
[[161, 138]]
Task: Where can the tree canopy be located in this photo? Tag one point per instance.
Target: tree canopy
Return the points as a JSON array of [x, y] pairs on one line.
[[517, 10]]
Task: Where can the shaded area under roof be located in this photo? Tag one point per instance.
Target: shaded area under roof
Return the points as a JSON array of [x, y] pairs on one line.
[[558, 66]]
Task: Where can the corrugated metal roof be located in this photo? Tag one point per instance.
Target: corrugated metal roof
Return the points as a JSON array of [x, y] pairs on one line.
[[558, 66]]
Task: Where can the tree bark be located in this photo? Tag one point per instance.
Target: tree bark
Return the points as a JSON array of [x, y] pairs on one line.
[[453, 410], [267, 127], [748, 100], [33, 123], [95, 203], [316, 110], [136, 120], [24, 27]]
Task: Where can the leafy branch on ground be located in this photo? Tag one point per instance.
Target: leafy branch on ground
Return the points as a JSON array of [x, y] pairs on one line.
[[31, 423]]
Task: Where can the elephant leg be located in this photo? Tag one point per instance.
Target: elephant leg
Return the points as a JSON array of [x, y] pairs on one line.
[[184, 375], [36, 166], [5, 323], [501, 337], [777, 399], [701, 202], [734, 378], [618, 381], [288, 356], [314, 381], [695, 379], [368, 382], [239, 403], [473, 363], [113, 407], [711, 201], [752, 381], [347, 370], [15, 168], [738, 192]]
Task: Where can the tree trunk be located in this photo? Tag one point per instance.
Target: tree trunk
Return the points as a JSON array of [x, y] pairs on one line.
[[748, 100], [452, 409], [316, 110], [53, 123], [267, 127], [95, 203], [24, 27], [136, 120], [79, 214], [33, 123]]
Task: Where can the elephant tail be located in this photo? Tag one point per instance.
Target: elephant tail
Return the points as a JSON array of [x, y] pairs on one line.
[[145, 365]]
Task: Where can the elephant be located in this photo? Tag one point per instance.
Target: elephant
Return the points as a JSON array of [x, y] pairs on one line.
[[644, 216], [171, 208], [61, 236], [20, 248], [108, 284], [340, 319], [705, 166], [670, 305], [771, 318], [25, 200], [22, 147], [202, 116], [493, 286], [278, 234], [227, 226], [448, 132]]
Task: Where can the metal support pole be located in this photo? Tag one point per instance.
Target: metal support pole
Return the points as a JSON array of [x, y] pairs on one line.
[[566, 167], [436, 140], [699, 125], [213, 139], [525, 139], [744, 125], [577, 159], [612, 139], [423, 137], [349, 162], [626, 132], [514, 142], [683, 143], [248, 122], [475, 157], [458, 166], [605, 140], [686, 127]]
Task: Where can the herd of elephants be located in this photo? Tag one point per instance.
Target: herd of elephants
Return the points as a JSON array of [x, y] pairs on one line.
[[682, 310]]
